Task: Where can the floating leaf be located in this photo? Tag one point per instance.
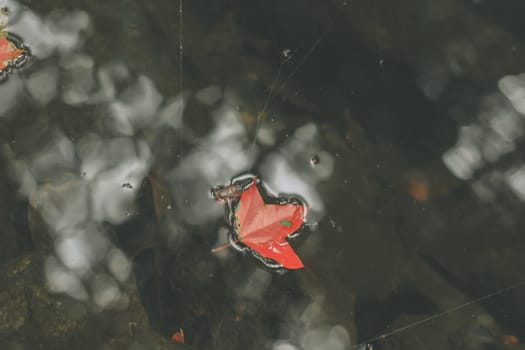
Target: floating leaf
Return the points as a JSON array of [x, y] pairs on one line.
[[178, 336], [13, 53], [264, 227]]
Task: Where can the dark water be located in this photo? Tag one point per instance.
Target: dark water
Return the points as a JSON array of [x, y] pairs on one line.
[[400, 124]]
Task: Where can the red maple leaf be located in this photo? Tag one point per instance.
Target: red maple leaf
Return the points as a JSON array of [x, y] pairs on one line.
[[8, 52], [178, 336], [265, 227]]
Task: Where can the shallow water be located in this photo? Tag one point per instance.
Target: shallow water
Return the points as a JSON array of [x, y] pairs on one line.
[[400, 125]]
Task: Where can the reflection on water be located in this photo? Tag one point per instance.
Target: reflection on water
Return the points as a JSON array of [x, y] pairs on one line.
[[108, 163]]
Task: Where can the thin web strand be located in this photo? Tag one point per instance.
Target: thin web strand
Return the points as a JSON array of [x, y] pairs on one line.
[[260, 113], [259, 116], [181, 85], [378, 45], [263, 109], [438, 315], [244, 61], [315, 45]]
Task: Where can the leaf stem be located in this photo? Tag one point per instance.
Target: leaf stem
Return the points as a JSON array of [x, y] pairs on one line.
[[222, 247]]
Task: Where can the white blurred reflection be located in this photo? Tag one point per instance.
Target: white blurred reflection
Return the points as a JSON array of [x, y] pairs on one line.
[[289, 170], [75, 186], [283, 345], [10, 94], [61, 280], [255, 285], [119, 265], [220, 155], [465, 157], [79, 185], [325, 338], [107, 78], [513, 87], [110, 164], [209, 95], [61, 33], [42, 85], [78, 80], [516, 181], [308, 329], [499, 129], [106, 291], [74, 202], [74, 252], [135, 108], [58, 32], [432, 79], [171, 114]]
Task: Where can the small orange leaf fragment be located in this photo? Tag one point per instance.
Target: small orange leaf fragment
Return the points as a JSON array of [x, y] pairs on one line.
[[509, 339], [8, 52], [178, 336], [418, 187]]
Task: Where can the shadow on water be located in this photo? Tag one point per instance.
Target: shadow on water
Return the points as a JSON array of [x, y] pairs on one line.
[[401, 301]]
